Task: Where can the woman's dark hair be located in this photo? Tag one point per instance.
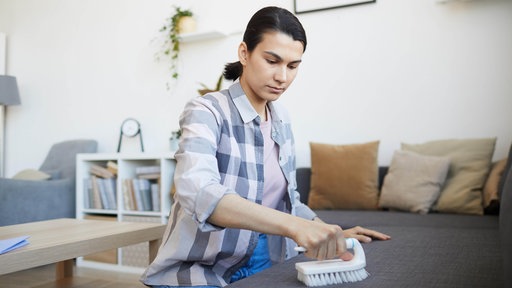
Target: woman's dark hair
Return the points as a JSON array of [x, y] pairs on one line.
[[265, 20]]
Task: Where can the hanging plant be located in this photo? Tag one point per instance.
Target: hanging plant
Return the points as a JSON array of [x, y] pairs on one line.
[[180, 22], [205, 88]]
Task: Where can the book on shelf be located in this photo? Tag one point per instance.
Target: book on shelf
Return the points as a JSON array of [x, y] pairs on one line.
[[149, 176], [109, 186], [112, 167], [144, 190], [141, 194], [155, 196], [103, 193], [87, 193], [128, 196], [145, 170], [100, 193], [95, 193], [100, 171], [137, 195]]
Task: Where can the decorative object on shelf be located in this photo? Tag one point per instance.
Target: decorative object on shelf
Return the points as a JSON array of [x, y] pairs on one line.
[[186, 24], [181, 21], [208, 90], [130, 128], [305, 6], [9, 95], [175, 137]]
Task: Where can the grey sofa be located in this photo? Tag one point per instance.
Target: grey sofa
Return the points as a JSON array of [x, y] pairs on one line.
[[433, 250], [23, 201]]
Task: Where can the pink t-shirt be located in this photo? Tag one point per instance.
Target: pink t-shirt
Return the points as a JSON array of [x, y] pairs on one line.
[[275, 184]]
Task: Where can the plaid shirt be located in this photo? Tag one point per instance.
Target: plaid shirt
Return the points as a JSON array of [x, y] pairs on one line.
[[221, 152]]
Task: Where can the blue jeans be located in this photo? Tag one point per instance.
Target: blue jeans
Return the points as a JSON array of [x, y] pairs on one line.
[[166, 286], [260, 260]]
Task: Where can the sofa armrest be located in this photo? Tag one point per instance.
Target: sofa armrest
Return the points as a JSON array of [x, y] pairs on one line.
[[303, 183], [23, 201], [506, 225]]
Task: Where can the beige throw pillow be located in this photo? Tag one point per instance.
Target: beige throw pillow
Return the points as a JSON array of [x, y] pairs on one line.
[[344, 176], [470, 164], [31, 174], [490, 192], [413, 182]]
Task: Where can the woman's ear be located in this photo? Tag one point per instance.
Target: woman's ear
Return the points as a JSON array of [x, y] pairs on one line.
[[242, 53]]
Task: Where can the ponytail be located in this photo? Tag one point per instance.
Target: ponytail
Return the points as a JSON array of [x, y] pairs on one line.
[[233, 71]]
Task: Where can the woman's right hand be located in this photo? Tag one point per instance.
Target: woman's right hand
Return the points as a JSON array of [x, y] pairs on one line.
[[322, 241]]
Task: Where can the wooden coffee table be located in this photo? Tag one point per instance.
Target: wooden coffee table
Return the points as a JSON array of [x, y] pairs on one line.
[[61, 240]]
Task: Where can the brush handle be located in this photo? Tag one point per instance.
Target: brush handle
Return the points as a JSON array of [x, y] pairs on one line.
[[350, 242]]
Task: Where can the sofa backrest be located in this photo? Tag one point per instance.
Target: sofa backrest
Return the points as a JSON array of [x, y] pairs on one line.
[[304, 181], [506, 221], [62, 156]]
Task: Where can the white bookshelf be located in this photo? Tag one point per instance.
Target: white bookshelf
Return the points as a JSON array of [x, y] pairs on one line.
[[132, 257]]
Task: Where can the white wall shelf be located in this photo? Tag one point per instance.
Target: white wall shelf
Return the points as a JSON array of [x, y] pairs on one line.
[[204, 35], [200, 36], [133, 257]]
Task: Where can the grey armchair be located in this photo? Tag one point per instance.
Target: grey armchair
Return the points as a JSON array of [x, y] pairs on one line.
[[23, 201]]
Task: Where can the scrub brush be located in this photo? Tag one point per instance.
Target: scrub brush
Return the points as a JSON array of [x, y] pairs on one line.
[[335, 271]]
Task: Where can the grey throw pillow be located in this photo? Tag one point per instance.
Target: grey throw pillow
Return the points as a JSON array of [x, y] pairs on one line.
[[413, 182]]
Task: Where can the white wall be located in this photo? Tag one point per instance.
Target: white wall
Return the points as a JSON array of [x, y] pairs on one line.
[[3, 41], [395, 71]]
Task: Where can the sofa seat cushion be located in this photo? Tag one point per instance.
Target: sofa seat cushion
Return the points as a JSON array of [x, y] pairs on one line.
[[348, 219], [416, 256]]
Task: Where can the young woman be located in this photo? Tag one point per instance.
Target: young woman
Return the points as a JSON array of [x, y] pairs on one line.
[[236, 208]]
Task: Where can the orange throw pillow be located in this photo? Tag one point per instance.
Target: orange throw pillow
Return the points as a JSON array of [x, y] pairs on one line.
[[344, 176]]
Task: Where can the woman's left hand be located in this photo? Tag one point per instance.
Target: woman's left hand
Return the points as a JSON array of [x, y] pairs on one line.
[[364, 235]]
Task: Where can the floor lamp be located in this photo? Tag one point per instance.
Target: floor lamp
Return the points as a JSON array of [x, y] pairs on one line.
[[9, 95]]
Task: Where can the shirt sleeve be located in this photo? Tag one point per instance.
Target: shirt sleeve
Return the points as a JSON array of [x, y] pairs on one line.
[[302, 210], [197, 178]]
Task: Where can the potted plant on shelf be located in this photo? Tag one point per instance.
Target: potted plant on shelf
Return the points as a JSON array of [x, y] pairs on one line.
[[175, 138], [181, 21], [205, 88]]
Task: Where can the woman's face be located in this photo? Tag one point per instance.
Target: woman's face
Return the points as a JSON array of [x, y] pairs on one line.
[[271, 67]]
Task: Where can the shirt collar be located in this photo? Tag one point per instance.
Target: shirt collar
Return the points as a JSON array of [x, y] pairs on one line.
[[242, 103], [244, 107]]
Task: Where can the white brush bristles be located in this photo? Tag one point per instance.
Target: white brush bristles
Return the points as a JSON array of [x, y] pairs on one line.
[[322, 279], [337, 271]]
